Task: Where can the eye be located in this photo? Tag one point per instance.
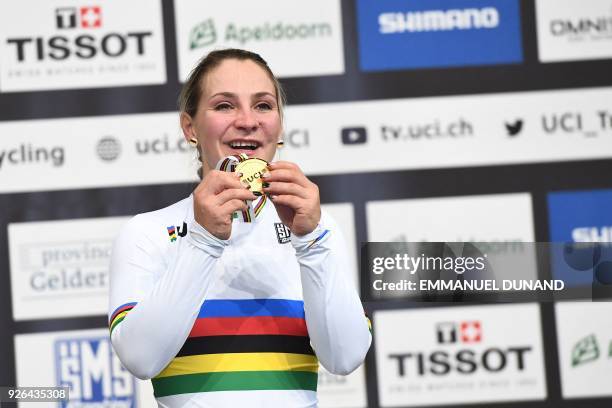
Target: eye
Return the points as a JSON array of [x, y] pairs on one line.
[[223, 106], [263, 106]]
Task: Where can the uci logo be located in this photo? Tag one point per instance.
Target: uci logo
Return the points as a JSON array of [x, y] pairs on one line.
[[174, 230]]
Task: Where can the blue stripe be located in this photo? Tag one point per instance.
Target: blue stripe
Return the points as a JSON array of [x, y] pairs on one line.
[[252, 307], [132, 304]]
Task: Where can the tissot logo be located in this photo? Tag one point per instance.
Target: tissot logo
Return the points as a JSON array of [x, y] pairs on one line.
[[465, 361], [354, 135], [85, 46], [465, 332], [283, 234], [77, 44], [459, 355], [89, 17]]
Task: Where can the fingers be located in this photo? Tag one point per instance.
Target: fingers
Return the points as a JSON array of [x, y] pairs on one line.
[[283, 188], [281, 164], [287, 172], [234, 194], [234, 205], [288, 200], [217, 181]]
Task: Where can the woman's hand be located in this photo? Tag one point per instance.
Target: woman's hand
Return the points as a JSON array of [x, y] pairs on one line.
[[295, 197], [216, 198]]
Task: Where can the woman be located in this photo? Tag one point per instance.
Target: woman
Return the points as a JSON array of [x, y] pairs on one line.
[[220, 312]]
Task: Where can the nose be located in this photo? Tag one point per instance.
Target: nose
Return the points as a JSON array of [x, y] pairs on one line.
[[246, 120]]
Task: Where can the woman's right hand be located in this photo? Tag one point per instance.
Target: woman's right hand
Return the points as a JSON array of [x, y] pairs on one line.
[[215, 200]]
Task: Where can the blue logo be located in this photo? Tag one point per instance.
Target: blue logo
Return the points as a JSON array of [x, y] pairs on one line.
[[94, 374], [581, 217], [412, 34]]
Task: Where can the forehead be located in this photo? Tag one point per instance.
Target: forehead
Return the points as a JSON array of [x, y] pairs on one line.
[[239, 77]]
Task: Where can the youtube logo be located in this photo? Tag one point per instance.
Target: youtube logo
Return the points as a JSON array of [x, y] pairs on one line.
[[354, 135]]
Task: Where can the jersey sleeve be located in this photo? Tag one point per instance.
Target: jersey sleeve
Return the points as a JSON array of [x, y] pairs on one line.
[[338, 328], [155, 299]]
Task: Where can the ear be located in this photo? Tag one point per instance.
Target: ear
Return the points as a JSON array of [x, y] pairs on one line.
[[188, 126]]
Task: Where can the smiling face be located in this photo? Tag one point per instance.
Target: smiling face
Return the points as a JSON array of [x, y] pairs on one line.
[[237, 113]]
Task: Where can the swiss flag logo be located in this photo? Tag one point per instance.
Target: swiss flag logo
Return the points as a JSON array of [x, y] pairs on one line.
[[91, 17], [470, 332]]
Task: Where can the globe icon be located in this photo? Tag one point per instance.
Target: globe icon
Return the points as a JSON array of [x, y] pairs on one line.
[[108, 148]]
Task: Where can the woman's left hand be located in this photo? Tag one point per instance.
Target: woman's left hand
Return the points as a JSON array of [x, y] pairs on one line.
[[295, 197]]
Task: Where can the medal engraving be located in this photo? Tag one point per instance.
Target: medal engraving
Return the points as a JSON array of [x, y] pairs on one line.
[[252, 170]]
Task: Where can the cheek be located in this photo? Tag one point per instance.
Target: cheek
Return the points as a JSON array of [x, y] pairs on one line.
[[272, 127], [212, 128]]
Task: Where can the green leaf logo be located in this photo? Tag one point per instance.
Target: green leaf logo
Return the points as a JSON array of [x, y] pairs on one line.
[[203, 34], [585, 350]]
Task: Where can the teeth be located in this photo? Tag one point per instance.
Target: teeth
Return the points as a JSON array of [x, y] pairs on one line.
[[251, 145]]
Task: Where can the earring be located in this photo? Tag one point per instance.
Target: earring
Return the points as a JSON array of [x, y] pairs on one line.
[[193, 142], [280, 144]]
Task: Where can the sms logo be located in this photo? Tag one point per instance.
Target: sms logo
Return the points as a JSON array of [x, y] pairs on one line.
[[94, 374]]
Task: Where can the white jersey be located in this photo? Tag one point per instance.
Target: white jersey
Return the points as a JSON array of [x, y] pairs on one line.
[[238, 322]]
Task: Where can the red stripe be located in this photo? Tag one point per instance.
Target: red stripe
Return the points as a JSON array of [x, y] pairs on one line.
[[124, 308], [227, 326]]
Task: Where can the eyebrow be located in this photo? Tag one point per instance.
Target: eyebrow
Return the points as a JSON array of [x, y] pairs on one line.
[[233, 95]]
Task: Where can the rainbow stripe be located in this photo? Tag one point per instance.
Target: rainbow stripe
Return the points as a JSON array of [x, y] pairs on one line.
[[252, 344], [246, 215], [119, 314], [317, 239], [172, 233], [260, 205]]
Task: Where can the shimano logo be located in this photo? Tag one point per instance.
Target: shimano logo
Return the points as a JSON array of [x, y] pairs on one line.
[[438, 20], [592, 234]]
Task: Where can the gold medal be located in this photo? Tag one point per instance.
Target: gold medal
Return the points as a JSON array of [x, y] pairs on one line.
[[252, 170]]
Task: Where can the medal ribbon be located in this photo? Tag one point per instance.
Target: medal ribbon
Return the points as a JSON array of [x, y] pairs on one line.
[[229, 164]]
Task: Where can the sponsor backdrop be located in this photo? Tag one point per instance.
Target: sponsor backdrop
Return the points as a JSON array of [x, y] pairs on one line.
[[484, 120]]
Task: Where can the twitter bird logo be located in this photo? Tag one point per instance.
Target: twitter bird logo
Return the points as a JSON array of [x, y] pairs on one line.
[[514, 128]]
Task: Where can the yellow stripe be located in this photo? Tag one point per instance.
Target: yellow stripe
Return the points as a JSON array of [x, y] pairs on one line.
[[215, 363], [120, 315], [260, 205]]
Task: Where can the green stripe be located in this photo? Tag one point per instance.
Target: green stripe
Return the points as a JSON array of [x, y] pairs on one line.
[[235, 381], [115, 323]]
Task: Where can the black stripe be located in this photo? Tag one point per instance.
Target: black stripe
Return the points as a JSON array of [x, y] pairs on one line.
[[246, 344]]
